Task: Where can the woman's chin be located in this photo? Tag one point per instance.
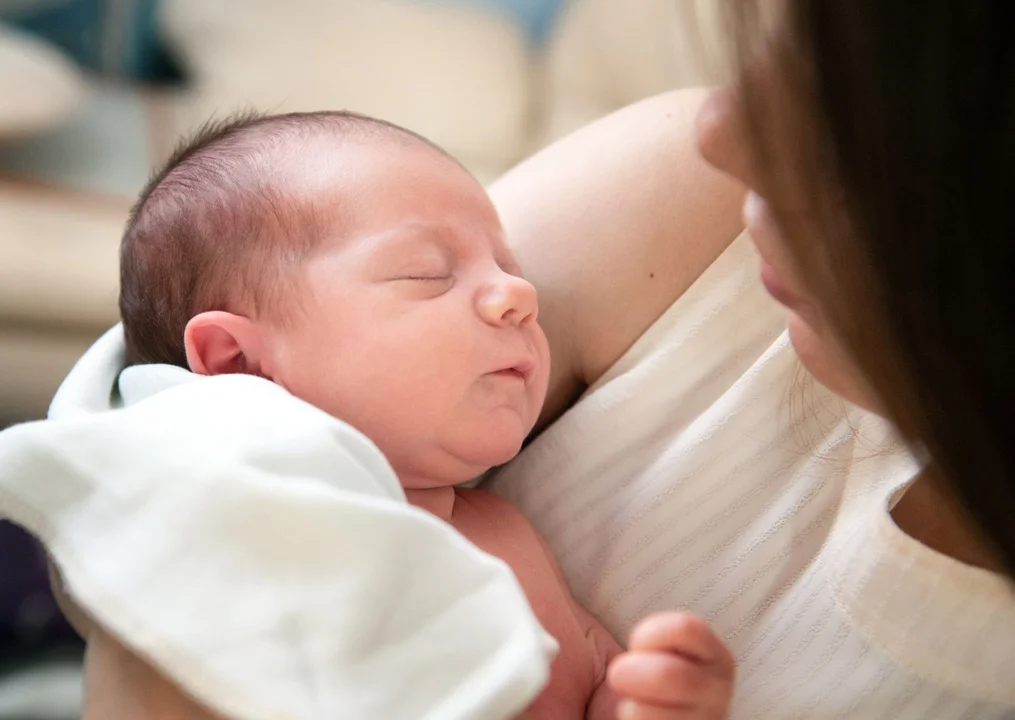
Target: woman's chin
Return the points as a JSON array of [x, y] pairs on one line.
[[826, 363]]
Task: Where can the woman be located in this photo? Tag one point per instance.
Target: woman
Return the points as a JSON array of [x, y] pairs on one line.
[[699, 468], [876, 141]]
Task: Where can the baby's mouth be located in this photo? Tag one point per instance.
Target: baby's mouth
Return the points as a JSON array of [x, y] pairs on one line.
[[519, 370], [512, 373]]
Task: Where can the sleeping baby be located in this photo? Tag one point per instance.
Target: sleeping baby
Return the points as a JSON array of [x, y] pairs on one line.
[[364, 270]]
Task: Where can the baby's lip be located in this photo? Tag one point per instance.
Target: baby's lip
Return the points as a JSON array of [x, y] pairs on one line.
[[523, 368]]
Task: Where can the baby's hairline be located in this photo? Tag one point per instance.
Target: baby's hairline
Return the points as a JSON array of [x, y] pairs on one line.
[[212, 229]]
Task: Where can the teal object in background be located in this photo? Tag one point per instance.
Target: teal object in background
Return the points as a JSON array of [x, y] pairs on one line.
[[536, 17], [115, 38], [119, 38]]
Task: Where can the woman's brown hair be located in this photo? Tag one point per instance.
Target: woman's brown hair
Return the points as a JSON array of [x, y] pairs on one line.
[[885, 134]]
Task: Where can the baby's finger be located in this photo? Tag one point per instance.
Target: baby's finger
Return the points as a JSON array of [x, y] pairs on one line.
[[685, 634], [634, 710], [668, 680]]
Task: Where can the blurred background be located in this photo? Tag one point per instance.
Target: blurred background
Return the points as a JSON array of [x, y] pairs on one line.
[[95, 93]]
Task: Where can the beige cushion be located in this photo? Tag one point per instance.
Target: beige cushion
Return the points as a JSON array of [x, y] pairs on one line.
[[39, 87], [58, 287], [35, 362], [58, 257], [460, 76]]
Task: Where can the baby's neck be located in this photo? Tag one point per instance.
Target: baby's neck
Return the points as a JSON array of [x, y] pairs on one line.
[[439, 501]]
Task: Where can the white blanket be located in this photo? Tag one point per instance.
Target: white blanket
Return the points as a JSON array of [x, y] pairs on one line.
[[262, 554]]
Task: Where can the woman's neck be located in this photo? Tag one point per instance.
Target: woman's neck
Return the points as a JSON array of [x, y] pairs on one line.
[[930, 516]]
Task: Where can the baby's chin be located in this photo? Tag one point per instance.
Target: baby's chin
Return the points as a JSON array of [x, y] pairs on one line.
[[496, 446]]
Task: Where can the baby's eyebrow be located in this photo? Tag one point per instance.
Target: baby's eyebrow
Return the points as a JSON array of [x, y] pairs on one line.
[[435, 237], [443, 238], [414, 239], [407, 234], [452, 244]]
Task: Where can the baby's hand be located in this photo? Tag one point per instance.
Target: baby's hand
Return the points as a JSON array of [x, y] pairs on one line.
[[675, 667]]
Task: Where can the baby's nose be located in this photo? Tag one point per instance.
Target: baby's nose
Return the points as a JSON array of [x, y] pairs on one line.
[[509, 300]]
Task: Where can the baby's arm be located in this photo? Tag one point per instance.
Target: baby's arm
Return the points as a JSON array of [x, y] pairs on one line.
[[675, 667], [603, 703]]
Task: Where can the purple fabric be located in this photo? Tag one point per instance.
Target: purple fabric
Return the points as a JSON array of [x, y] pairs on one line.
[[29, 616]]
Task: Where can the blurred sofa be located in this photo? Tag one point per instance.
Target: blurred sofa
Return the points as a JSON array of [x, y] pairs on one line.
[[474, 75]]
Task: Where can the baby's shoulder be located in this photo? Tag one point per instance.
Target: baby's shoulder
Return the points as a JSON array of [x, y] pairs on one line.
[[476, 501], [491, 521]]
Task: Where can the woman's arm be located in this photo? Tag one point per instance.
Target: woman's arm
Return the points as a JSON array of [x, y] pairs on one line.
[[121, 686], [612, 224], [117, 683]]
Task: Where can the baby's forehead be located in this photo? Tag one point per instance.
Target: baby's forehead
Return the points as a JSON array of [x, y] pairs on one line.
[[409, 195], [323, 160], [343, 175]]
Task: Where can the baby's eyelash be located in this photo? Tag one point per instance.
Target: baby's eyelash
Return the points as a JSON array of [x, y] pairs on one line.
[[427, 277]]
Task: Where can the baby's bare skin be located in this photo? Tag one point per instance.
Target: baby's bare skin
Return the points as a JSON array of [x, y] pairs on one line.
[[577, 686], [588, 240], [410, 319]]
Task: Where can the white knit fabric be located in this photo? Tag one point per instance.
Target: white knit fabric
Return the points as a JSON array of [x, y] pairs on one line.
[[707, 471]]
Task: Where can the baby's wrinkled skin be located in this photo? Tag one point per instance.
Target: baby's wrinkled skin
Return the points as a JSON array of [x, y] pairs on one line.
[[411, 321]]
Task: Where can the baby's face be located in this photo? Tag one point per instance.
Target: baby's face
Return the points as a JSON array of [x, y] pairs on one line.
[[415, 325]]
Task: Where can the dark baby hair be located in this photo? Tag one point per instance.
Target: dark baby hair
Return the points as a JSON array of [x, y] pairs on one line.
[[211, 229]]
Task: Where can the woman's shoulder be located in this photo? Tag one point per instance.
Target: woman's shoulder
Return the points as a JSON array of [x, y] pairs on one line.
[[612, 224]]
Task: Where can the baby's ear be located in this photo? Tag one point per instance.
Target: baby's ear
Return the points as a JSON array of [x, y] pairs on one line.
[[221, 343]]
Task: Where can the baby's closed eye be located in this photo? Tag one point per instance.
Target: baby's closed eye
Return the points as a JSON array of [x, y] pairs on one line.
[[424, 282], [422, 267], [424, 277], [426, 266]]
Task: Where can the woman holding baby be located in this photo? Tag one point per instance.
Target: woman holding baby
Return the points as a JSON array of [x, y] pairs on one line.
[[849, 539]]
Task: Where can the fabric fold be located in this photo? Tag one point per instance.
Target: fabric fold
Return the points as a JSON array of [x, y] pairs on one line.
[[261, 553]]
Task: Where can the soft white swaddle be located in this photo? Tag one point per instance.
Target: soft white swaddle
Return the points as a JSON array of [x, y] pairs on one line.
[[262, 554]]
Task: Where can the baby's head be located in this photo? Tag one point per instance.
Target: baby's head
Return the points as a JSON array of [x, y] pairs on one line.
[[353, 263]]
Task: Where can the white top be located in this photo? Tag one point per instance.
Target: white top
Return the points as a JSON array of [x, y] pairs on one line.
[[262, 554], [707, 471]]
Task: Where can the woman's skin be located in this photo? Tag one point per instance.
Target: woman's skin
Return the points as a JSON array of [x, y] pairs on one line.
[[118, 684], [924, 512], [612, 225]]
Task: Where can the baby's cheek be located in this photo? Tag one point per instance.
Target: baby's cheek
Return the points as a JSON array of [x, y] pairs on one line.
[[541, 380]]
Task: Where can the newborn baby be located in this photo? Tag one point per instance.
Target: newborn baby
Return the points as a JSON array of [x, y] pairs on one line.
[[364, 270]]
